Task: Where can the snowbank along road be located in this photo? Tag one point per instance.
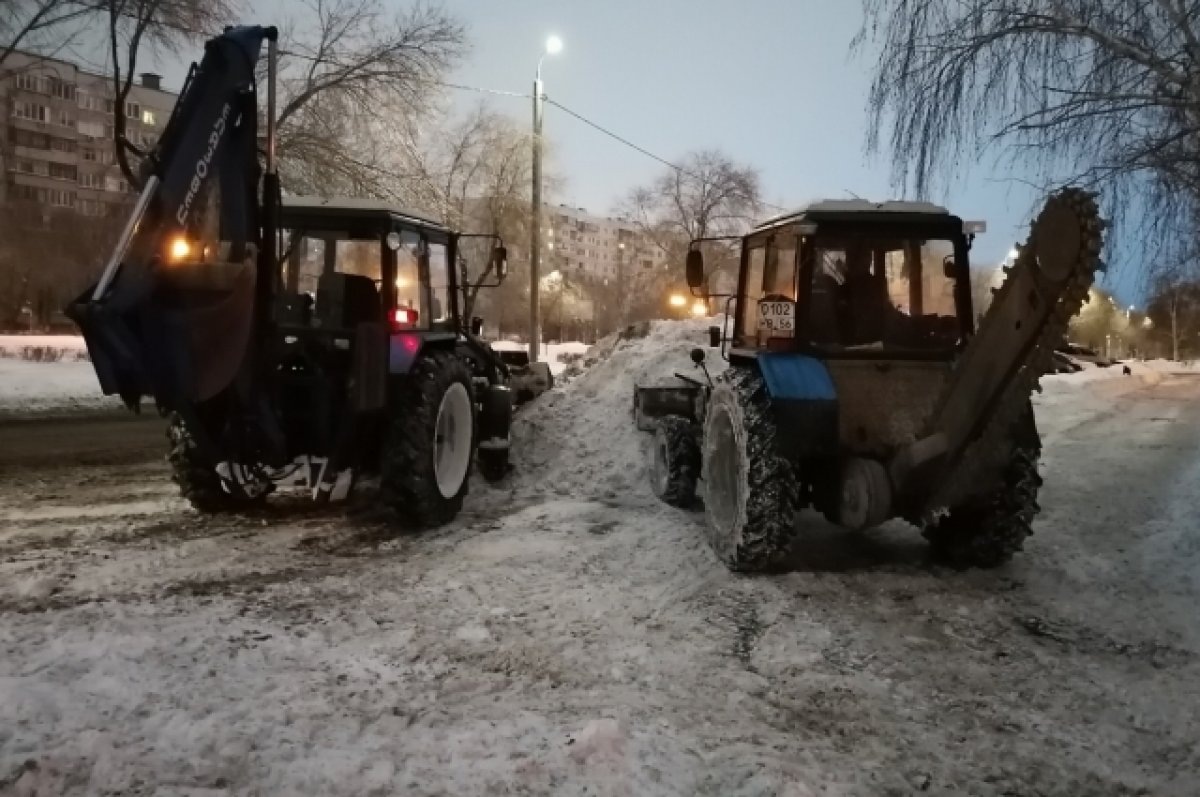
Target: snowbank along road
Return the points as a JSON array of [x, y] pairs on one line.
[[570, 635]]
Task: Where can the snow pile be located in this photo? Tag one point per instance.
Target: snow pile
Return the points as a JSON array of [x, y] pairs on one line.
[[27, 386], [43, 348], [580, 439]]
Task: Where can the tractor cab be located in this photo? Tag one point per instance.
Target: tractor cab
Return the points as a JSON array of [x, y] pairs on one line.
[[350, 261], [852, 279]]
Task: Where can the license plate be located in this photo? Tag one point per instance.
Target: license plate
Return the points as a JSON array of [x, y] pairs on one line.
[[777, 316]]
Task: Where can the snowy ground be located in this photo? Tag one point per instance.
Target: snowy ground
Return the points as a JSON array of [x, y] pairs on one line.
[[571, 635], [67, 385]]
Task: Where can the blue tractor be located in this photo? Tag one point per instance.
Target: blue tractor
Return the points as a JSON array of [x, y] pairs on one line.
[[293, 340], [860, 386]]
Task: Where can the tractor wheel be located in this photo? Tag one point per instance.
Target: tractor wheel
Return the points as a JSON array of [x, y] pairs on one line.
[[493, 464], [987, 531], [199, 482], [426, 458], [675, 461], [751, 493]]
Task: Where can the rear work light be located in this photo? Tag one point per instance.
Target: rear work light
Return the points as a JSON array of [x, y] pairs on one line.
[[404, 317]]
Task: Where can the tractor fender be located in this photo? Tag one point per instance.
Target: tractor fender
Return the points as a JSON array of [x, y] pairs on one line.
[[803, 400], [406, 348]]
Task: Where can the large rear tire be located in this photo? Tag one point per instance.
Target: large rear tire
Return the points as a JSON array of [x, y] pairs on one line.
[[198, 480], [751, 492], [989, 530], [675, 461], [426, 460]]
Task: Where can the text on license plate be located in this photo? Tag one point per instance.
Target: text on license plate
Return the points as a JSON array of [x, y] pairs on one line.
[[777, 316]]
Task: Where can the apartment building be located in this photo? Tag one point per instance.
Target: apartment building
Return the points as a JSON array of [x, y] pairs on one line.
[[57, 149], [581, 245]]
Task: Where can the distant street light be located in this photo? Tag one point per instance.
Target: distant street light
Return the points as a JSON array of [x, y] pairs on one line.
[[554, 46], [677, 300], [700, 308]]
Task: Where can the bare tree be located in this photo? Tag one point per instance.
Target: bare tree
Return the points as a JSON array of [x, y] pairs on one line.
[[710, 195], [1174, 306], [1101, 93], [475, 175], [134, 26], [354, 83], [31, 24]]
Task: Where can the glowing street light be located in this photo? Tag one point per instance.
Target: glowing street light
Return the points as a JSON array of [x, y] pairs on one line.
[[700, 308], [677, 300], [554, 46]]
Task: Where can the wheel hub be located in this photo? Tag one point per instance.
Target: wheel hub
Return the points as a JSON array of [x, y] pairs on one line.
[[452, 440]]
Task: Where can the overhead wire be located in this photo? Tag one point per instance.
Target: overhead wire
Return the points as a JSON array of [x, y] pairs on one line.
[[520, 95]]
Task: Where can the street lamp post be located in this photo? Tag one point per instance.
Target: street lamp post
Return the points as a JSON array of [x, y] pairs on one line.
[[553, 46]]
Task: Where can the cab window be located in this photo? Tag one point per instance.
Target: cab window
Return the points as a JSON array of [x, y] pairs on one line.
[[441, 307], [770, 290], [408, 282]]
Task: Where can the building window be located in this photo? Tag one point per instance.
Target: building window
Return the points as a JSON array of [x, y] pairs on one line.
[[31, 110], [61, 89], [64, 118], [133, 110], [148, 118], [29, 82], [63, 171], [90, 129], [62, 145], [60, 198]]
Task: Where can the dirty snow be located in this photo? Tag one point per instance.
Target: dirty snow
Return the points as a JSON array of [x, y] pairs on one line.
[[570, 635]]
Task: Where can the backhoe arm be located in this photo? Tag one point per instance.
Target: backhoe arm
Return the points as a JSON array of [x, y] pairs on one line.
[[172, 314]]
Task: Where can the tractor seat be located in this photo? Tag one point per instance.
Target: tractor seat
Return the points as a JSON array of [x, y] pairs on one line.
[[346, 300]]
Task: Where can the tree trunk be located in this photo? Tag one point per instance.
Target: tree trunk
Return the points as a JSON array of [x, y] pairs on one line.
[[1175, 328]]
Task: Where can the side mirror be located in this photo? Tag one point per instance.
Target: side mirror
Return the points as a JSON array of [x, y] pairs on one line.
[[695, 269], [714, 340], [500, 261], [476, 326], [948, 269], [697, 356]]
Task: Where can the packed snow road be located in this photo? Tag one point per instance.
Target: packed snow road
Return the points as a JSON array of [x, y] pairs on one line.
[[569, 635]]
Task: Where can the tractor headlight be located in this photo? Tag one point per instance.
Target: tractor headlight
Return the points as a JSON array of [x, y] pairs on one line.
[[179, 249]]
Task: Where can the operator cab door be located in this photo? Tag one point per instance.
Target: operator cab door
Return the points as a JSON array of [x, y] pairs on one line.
[[422, 292], [767, 315]]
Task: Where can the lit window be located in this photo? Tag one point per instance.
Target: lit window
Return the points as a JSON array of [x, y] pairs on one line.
[[148, 117]]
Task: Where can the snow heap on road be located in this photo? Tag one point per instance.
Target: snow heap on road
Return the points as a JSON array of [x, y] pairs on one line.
[[580, 438]]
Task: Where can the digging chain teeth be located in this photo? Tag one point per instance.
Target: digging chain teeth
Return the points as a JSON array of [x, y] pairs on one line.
[[986, 457]]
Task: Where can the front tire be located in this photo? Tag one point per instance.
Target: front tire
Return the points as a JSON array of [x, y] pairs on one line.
[[198, 480], [675, 461], [493, 464], [752, 492], [427, 456], [989, 530]]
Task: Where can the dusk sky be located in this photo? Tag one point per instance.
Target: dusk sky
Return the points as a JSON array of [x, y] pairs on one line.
[[770, 82]]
